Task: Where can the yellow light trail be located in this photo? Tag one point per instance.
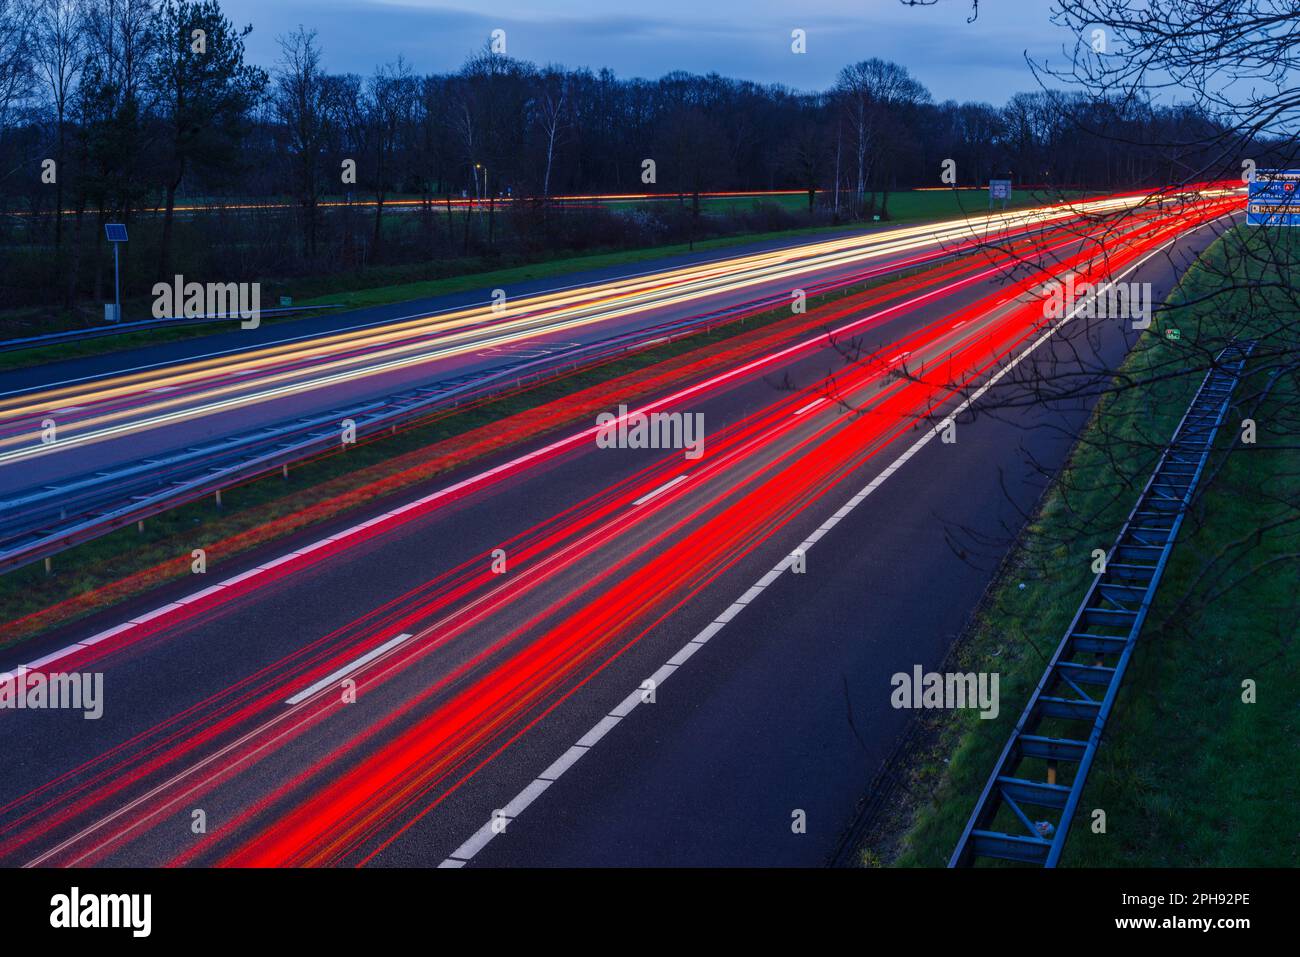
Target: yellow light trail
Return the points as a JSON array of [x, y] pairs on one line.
[[225, 383]]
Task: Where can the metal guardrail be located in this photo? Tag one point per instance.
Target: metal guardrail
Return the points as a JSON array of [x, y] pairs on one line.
[[43, 522], [143, 325], [1095, 651]]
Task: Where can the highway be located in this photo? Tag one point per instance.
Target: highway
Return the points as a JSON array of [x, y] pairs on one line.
[[108, 441], [501, 716], [110, 418]]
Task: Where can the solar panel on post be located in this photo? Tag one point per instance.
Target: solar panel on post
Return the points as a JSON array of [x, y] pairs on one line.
[[115, 233]]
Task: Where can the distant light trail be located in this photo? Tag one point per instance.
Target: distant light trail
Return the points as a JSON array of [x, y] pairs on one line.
[[117, 406], [599, 574]]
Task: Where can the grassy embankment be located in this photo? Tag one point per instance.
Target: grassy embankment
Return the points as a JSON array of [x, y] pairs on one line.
[[1188, 775]]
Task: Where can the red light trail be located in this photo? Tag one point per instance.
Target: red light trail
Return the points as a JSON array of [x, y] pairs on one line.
[[586, 583]]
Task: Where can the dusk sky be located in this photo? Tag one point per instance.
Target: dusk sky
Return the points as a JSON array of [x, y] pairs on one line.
[[749, 39]]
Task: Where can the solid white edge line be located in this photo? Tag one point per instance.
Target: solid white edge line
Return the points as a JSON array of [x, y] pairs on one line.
[[598, 731], [471, 847], [624, 707], [466, 852], [524, 798], [563, 763], [708, 632], [480, 476]]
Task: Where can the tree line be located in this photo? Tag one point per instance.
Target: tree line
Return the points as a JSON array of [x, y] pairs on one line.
[[109, 107]]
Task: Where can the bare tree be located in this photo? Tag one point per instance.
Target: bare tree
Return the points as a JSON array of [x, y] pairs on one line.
[[553, 114], [120, 37], [17, 34], [135, 135], [873, 93], [302, 105], [1232, 65], [58, 51], [391, 99]]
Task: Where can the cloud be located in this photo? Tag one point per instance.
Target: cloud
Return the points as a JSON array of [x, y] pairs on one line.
[[748, 39]]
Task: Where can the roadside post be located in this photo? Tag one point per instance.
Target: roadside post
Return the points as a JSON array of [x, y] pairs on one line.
[[116, 235]]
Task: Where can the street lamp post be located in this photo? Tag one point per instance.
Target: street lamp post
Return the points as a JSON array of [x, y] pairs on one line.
[[491, 204]]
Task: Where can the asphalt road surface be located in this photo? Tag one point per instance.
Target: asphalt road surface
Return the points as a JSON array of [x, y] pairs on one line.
[[503, 719], [115, 410]]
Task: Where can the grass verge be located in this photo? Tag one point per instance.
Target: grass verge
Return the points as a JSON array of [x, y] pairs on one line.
[[1189, 774], [129, 562]]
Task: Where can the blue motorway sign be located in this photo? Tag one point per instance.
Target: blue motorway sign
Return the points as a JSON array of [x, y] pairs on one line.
[[1273, 199]]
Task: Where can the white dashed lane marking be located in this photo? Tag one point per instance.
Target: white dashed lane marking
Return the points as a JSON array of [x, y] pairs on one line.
[[659, 491], [811, 405], [347, 669], [501, 819]]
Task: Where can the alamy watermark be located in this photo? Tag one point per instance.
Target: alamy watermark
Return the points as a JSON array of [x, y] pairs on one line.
[[950, 690], [133, 912], [53, 691], [214, 300], [658, 430], [1106, 300]]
